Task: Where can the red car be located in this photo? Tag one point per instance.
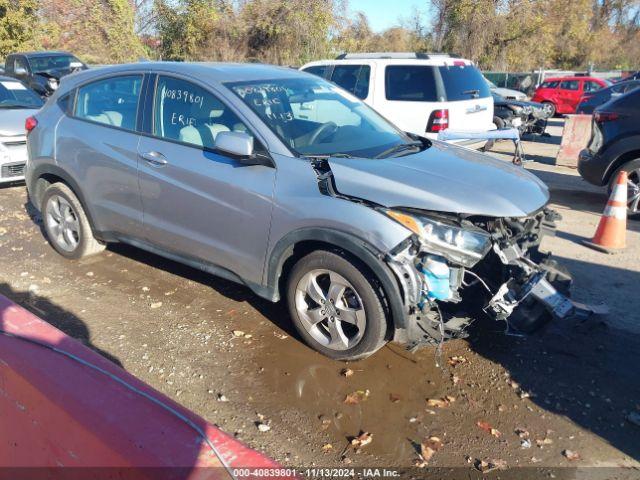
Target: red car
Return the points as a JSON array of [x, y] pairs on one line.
[[562, 95]]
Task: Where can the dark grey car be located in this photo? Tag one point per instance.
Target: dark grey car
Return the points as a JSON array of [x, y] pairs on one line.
[[282, 181]]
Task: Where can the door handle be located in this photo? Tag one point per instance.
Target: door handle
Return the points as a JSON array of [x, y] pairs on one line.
[[153, 158]]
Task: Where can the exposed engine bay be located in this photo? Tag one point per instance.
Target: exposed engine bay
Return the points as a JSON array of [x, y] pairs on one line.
[[512, 281]]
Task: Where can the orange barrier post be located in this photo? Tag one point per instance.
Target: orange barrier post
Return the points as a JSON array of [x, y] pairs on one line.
[[612, 229]]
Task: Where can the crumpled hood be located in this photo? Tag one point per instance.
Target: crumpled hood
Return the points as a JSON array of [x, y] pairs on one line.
[[443, 178], [56, 73], [12, 120]]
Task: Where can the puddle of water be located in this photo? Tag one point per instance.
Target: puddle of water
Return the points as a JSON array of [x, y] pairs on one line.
[[398, 383]]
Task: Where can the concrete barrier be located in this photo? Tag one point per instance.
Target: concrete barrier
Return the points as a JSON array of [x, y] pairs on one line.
[[575, 137], [86, 412]]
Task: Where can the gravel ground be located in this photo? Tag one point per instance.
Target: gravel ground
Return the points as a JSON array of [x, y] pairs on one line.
[[234, 358]]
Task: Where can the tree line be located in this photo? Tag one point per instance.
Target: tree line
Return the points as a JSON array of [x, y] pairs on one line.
[[497, 34]]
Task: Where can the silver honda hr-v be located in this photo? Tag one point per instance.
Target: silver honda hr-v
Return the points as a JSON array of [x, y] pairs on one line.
[[283, 182]]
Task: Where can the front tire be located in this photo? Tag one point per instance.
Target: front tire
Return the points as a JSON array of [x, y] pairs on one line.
[[337, 306], [66, 224], [550, 109]]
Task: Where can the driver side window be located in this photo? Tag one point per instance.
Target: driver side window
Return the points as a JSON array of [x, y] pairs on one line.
[[187, 113]]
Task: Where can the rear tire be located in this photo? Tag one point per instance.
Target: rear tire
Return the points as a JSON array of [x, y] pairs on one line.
[[66, 224], [633, 191], [337, 306]]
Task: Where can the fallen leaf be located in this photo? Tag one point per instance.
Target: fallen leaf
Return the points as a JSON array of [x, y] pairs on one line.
[[544, 441], [238, 333], [156, 305], [571, 455], [356, 397], [427, 449], [487, 428], [437, 402], [488, 466], [522, 433], [222, 398], [362, 440], [263, 427], [457, 360], [394, 398], [327, 447], [346, 372], [326, 422], [441, 402], [455, 379]]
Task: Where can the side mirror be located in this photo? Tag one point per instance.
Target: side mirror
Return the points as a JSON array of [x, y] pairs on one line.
[[20, 71], [240, 145]]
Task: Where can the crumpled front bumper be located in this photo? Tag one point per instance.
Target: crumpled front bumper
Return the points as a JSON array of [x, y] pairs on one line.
[[508, 278]]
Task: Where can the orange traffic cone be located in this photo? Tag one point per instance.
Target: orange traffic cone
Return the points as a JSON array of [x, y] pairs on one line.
[[612, 229]]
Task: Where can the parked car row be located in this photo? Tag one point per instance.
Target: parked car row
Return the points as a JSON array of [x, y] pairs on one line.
[[17, 103], [295, 187], [615, 146], [562, 95]]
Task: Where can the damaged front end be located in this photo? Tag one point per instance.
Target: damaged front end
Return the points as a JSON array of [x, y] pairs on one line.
[[492, 264]]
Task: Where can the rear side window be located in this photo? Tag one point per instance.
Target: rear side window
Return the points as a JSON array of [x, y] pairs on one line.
[[112, 101], [590, 86], [570, 85], [411, 83], [187, 113], [552, 84], [20, 62], [319, 70], [463, 82], [353, 78]]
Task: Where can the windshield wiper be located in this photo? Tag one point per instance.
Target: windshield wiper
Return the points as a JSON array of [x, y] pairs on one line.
[[474, 93], [326, 156], [399, 148]]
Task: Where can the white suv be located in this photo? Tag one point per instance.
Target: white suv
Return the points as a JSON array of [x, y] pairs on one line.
[[421, 93]]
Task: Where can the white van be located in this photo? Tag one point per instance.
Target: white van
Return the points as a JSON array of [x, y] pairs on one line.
[[421, 93]]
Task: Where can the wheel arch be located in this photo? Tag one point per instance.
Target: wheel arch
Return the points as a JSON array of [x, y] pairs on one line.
[[624, 152], [298, 243], [45, 175]]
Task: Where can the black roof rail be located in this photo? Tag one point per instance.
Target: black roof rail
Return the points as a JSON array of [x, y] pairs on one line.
[[391, 55]]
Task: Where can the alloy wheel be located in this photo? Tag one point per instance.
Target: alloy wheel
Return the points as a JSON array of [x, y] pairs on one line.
[[62, 223], [633, 192], [330, 309]]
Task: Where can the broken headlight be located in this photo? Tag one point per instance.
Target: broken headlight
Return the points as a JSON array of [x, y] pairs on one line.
[[460, 245]]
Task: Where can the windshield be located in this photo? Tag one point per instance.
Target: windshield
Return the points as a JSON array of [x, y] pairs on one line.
[[54, 62], [15, 95], [315, 117]]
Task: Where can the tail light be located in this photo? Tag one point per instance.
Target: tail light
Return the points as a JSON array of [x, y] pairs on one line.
[[438, 121], [601, 117], [30, 123]]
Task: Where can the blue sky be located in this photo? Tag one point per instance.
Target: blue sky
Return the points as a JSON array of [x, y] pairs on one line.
[[383, 14]]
